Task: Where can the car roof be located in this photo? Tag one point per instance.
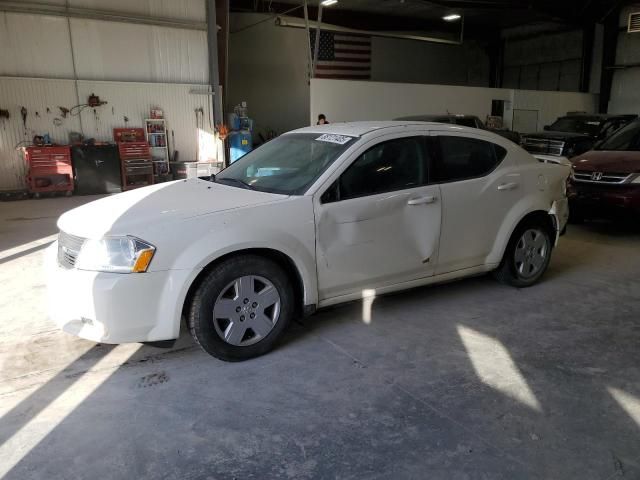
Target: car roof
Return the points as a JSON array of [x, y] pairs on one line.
[[358, 129], [435, 117]]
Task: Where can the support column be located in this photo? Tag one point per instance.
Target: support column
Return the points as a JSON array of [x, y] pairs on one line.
[[609, 48], [214, 72]]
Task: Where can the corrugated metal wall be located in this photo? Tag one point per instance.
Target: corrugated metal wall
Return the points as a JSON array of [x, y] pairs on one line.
[[133, 100], [132, 66], [103, 50], [175, 9], [547, 62], [35, 96], [625, 91]]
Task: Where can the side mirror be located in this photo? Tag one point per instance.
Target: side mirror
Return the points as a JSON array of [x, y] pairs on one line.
[[547, 127]]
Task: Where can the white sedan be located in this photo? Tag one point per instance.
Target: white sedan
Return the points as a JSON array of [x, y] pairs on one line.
[[316, 217]]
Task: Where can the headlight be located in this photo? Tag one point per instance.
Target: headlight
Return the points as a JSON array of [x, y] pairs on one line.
[[116, 255], [637, 179]]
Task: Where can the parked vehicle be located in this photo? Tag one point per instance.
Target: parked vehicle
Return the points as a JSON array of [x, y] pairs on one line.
[[572, 135], [606, 180], [466, 121], [316, 217]]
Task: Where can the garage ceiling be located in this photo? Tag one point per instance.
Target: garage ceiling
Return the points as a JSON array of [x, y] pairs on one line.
[[481, 16]]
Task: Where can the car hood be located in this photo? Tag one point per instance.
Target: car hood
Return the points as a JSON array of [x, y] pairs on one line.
[[551, 135], [131, 212], [608, 161]]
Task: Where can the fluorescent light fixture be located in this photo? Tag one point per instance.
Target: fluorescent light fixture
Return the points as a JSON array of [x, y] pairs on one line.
[[328, 3], [450, 18]]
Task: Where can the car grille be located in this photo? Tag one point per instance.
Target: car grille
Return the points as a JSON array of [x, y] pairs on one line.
[[600, 177], [68, 249], [543, 145]]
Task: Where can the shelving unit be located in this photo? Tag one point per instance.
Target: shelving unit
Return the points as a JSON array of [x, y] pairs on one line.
[[156, 136]]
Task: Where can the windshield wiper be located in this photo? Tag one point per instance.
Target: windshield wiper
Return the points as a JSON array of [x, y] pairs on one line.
[[235, 181]]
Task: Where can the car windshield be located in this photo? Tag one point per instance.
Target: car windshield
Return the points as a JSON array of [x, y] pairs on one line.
[[288, 164], [588, 126], [627, 138]]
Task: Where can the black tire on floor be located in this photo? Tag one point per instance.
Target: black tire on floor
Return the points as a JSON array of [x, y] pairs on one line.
[[201, 317], [508, 271]]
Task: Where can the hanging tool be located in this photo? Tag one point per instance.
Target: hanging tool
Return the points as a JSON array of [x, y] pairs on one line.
[[64, 111], [126, 120], [23, 112]]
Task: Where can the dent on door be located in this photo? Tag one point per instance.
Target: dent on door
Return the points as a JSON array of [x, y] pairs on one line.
[[368, 240]]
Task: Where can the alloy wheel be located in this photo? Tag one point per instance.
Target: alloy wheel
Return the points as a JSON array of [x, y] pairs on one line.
[[246, 310], [531, 253]]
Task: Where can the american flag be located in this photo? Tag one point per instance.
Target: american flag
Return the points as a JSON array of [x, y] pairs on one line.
[[342, 55]]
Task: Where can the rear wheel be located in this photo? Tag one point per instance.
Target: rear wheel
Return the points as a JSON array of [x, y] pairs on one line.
[[527, 256], [241, 308]]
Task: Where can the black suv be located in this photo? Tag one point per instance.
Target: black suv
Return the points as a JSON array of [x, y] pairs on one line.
[[574, 134]]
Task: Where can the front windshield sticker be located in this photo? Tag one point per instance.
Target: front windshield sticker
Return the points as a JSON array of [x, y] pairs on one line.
[[333, 138]]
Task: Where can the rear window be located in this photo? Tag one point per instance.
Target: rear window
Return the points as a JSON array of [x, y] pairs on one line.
[[627, 138], [462, 158]]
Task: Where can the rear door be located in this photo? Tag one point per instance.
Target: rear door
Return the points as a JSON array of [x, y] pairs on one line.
[[479, 184], [378, 220]]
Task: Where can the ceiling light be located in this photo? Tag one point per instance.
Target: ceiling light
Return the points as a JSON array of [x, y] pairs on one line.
[[328, 3], [450, 18]]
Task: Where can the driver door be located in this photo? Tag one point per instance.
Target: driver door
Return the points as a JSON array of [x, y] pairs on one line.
[[378, 222]]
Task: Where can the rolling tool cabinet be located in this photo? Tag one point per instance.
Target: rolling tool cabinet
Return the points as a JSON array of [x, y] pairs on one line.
[[135, 157], [49, 170]]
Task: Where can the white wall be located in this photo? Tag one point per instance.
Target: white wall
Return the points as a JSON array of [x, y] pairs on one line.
[[124, 98], [551, 105], [344, 101]]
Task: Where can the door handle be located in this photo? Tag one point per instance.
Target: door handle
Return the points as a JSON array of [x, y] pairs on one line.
[[508, 186], [422, 200]]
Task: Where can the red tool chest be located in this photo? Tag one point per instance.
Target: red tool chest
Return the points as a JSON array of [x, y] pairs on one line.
[[49, 169], [135, 157]]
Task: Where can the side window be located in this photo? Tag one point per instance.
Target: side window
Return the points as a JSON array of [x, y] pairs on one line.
[[463, 157], [393, 165]]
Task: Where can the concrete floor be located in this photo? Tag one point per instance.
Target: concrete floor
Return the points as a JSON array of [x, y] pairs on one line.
[[460, 381]]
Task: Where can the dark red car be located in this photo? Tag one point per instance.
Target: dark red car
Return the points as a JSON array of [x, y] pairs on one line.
[[606, 180]]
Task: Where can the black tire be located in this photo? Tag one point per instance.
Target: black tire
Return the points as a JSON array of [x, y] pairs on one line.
[[509, 271], [201, 312]]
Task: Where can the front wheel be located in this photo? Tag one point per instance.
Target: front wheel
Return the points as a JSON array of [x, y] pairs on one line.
[[241, 308], [527, 256]]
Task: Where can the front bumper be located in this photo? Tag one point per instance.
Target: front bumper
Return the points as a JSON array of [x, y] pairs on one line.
[[599, 199], [115, 308], [560, 210]]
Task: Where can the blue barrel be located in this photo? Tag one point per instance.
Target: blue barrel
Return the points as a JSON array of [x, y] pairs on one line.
[[240, 144]]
